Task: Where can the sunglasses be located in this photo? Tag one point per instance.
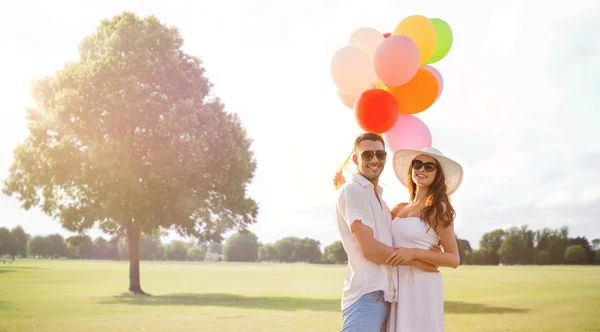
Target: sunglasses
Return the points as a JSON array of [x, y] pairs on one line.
[[368, 155], [429, 166]]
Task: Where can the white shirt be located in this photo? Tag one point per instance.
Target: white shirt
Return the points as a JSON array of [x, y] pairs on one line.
[[357, 201]]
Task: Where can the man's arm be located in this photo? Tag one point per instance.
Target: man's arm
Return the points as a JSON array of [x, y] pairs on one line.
[[356, 211], [369, 247]]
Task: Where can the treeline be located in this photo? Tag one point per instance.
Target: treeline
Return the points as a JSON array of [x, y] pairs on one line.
[[513, 246], [240, 247], [17, 243], [524, 246]]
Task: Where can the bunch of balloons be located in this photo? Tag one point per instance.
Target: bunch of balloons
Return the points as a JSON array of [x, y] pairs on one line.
[[387, 78]]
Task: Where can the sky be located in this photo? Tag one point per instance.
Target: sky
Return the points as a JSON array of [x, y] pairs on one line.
[[519, 107]]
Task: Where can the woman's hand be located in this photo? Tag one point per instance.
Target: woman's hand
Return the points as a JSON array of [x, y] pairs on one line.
[[338, 180]]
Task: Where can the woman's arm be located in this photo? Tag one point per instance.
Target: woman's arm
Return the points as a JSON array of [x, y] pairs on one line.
[[449, 257]]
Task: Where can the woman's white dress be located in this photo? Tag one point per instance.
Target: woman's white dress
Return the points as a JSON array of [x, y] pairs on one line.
[[420, 306]]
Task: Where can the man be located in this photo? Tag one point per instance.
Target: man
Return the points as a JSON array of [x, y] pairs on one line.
[[363, 221]]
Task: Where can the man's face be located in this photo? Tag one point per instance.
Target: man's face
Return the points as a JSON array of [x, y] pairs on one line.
[[370, 158]]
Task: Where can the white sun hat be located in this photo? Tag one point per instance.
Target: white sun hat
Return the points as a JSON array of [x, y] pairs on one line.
[[453, 171]]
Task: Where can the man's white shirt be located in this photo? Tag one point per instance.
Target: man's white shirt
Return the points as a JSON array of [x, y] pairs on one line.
[[357, 201]]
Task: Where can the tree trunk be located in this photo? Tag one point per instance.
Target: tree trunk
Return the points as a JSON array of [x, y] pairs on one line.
[[133, 239]]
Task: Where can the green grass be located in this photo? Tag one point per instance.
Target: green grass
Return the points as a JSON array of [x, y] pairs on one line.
[[60, 295]]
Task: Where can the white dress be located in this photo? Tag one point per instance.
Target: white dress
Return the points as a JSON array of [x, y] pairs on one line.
[[420, 306]]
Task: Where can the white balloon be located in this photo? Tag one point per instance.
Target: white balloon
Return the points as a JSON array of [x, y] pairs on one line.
[[367, 39], [347, 100], [352, 71]]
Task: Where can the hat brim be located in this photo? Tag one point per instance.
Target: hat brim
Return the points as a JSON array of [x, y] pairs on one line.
[[453, 171]]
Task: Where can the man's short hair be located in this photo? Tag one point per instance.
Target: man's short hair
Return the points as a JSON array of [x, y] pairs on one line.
[[368, 137]]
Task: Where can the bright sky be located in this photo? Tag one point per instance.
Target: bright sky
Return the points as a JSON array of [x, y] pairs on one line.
[[519, 107]]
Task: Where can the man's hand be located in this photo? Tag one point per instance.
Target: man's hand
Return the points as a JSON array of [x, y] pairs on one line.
[[402, 256], [338, 180], [436, 248], [424, 266]]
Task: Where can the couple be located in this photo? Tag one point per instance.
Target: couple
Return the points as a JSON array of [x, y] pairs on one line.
[[392, 283]]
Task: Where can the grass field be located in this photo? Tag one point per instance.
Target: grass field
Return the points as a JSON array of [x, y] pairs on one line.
[[62, 295]]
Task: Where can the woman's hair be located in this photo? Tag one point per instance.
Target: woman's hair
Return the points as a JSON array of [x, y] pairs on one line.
[[437, 205]]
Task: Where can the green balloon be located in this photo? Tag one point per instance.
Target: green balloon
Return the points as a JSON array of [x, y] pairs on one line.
[[444, 40]]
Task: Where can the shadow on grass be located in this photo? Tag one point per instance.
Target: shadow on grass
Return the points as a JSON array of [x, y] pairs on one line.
[[228, 300], [280, 303], [4, 307], [8, 268], [457, 307], [16, 267]]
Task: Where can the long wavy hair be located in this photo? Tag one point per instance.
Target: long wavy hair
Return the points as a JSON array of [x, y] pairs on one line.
[[437, 205]]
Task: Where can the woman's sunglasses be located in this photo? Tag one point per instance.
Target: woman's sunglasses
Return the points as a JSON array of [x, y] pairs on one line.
[[368, 155], [429, 166]]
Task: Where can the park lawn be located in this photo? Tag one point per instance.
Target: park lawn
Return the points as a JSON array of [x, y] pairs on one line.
[[65, 295]]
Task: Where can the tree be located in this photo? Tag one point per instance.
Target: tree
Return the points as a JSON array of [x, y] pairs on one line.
[[20, 239], [512, 249], [464, 247], [307, 250], [267, 253], [543, 258], [583, 242], [80, 246], [104, 249], [57, 246], [176, 251], [335, 253], [129, 138], [39, 246], [151, 248], [196, 253], [596, 244], [241, 247], [285, 248], [553, 242], [490, 243], [7, 243], [575, 254]]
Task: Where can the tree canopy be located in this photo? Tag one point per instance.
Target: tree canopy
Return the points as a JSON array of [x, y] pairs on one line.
[[130, 139]]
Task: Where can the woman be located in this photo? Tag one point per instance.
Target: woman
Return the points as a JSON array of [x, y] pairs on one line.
[[428, 218]]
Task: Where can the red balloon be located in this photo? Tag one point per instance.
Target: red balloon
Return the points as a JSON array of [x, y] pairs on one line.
[[387, 34], [376, 111]]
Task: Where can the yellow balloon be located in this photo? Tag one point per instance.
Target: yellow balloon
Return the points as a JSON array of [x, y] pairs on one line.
[[382, 86], [422, 31]]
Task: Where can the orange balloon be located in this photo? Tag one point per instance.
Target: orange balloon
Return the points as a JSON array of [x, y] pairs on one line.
[[418, 94]]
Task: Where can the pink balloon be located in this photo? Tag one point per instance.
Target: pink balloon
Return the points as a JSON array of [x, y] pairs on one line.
[[438, 76], [396, 60], [409, 132]]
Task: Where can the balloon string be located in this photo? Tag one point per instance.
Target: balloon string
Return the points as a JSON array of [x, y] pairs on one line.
[[346, 161]]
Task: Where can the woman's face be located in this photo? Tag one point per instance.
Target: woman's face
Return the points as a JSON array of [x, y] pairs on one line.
[[424, 168]]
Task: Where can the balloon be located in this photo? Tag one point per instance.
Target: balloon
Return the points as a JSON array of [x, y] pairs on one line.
[[409, 132], [367, 39], [396, 60], [387, 34], [418, 94], [444, 40], [352, 70], [422, 31], [347, 100], [375, 111], [382, 86], [438, 77]]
